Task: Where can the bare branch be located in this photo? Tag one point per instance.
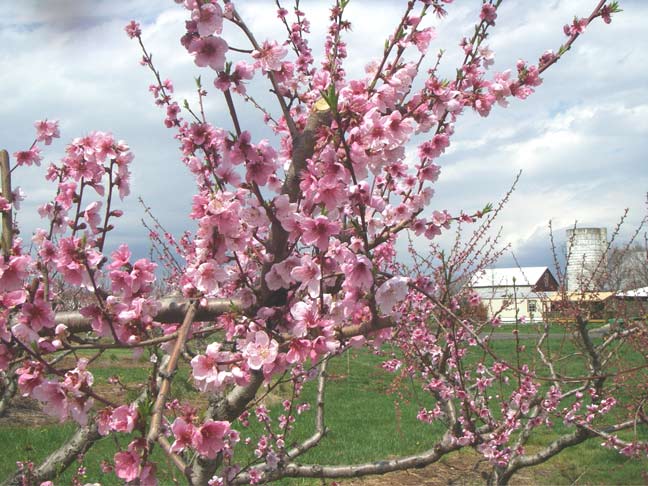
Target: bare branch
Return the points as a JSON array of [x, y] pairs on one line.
[[379, 467], [165, 386]]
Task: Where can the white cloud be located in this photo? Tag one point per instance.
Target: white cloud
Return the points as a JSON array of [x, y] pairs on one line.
[[581, 139]]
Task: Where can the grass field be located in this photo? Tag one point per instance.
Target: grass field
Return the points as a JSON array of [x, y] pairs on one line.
[[366, 420]]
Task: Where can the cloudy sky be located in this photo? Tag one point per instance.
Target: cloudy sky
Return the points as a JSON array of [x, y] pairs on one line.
[[581, 141]]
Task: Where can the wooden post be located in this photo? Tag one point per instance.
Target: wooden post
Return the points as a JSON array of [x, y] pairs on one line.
[[7, 223]]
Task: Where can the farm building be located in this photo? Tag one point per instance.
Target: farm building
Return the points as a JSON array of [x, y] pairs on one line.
[[513, 293], [634, 303], [586, 254], [596, 306]]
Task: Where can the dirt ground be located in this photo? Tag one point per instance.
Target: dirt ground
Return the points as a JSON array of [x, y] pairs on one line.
[[25, 412]]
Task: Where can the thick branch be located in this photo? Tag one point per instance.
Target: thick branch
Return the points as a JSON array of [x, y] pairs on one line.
[[224, 408], [172, 309], [60, 459], [595, 362], [379, 467], [581, 434], [520, 462], [9, 386], [303, 148]]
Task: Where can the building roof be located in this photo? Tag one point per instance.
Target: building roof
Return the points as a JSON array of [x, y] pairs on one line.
[[521, 293], [640, 293], [506, 277], [580, 296]]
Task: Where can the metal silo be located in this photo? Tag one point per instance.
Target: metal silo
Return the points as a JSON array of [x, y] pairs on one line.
[[585, 249]]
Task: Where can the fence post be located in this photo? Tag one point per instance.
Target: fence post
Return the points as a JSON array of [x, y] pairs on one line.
[[7, 223]]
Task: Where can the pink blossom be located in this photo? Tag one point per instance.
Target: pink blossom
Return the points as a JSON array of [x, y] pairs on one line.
[[488, 13], [441, 218], [269, 56], [208, 440], [124, 418], [606, 13], [330, 191], [255, 475], [102, 419], [391, 293], [286, 213], [216, 369], [259, 350], [435, 147], [373, 130], [397, 129], [577, 27], [5, 205], [69, 261], [306, 316], [133, 29], [12, 299], [309, 274], [54, 399], [183, 433], [142, 276], [92, 215], [422, 39], [28, 157], [260, 164], [37, 314], [279, 275], [358, 273], [208, 18], [242, 72], [120, 257], [148, 475], [208, 276], [66, 194], [13, 274], [127, 465], [210, 51], [46, 130], [30, 375], [317, 231]]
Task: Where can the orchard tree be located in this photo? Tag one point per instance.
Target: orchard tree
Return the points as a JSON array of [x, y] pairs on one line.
[[293, 263]]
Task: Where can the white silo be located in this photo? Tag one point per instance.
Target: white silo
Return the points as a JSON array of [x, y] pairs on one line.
[[585, 250]]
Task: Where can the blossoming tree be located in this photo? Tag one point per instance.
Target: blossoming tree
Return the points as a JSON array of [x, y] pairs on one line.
[[292, 263]]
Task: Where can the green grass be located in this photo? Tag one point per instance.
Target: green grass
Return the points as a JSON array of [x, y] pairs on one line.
[[534, 329], [369, 419]]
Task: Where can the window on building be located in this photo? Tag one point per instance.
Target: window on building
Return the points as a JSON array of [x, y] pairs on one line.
[[531, 306]]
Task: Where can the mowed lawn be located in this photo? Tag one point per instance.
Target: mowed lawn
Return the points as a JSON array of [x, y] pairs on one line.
[[369, 419]]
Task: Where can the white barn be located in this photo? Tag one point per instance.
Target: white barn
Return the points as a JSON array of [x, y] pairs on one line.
[[510, 293]]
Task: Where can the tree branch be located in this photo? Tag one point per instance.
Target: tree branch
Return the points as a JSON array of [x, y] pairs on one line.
[[7, 223], [379, 467], [172, 309], [165, 386], [60, 459]]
